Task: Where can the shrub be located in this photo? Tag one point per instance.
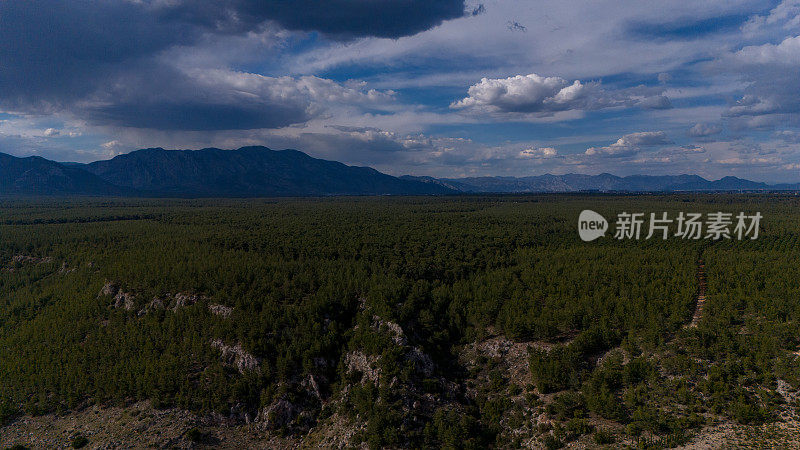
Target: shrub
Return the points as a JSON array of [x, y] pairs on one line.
[[79, 441], [604, 437], [195, 435], [552, 443]]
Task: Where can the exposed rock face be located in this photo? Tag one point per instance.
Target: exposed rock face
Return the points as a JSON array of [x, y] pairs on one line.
[[121, 299], [178, 301], [311, 387], [279, 414], [156, 303], [513, 356], [109, 289], [785, 390], [339, 431], [236, 356], [31, 259], [357, 361], [498, 368], [220, 310], [297, 409], [422, 362], [184, 299], [394, 329], [124, 300], [240, 414]]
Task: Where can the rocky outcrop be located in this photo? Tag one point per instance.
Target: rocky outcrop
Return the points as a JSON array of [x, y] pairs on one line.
[[498, 370], [156, 303], [174, 302], [183, 299], [220, 310], [121, 299], [26, 259], [423, 363], [108, 289], [280, 413], [512, 357], [240, 414], [357, 361], [297, 408], [236, 356], [398, 336], [311, 386], [124, 300]]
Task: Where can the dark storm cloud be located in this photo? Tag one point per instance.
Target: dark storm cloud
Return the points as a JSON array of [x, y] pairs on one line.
[[195, 116], [164, 98], [104, 61], [335, 18], [52, 51]]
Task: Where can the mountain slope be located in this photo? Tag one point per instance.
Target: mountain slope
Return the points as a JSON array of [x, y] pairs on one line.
[[247, 172], [38, 176]]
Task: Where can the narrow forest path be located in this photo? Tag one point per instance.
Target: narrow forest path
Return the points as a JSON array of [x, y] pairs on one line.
[[701, 293]]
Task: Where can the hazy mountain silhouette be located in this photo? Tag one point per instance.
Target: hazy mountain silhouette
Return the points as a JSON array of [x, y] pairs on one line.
[[604, 182], [247, 172], [38, 176], [261, 172]]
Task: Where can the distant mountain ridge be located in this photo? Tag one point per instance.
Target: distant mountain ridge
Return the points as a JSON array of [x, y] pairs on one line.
[[603, 183], [35, 175], [210, 172], [247, 172], [262, 172]]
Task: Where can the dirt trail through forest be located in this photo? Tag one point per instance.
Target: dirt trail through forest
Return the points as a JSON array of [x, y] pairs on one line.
[[701, 294]]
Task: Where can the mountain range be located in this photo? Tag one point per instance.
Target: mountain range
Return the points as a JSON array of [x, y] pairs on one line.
[[210, 172], [602, 183], [261, 172]]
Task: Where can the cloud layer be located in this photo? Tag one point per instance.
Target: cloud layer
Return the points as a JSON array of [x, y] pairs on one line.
[[442, 88], [111, 63]]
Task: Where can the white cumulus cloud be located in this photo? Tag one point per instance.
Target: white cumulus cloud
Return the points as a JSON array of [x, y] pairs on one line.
[[525, 93], [542, 152], [630, 144], [704, 130], [785, 53], [540, 96]]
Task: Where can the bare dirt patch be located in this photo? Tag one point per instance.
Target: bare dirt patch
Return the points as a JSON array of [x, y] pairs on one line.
[[135, 426], [701, 294]]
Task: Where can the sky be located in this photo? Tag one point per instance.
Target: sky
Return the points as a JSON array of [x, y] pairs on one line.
[[440, 88]]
